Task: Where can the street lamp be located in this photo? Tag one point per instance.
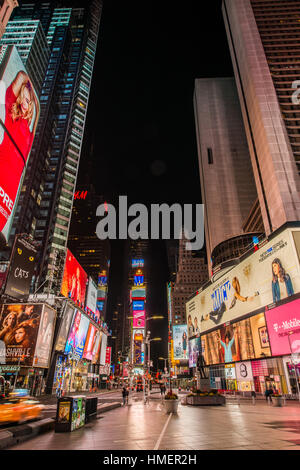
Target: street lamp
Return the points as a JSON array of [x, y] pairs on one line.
[[147, 342]]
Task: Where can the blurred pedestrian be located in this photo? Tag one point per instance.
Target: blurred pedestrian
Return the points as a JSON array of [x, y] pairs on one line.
[[124, 392]]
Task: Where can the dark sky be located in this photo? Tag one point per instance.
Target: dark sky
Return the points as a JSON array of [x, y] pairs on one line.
[[140, 132]]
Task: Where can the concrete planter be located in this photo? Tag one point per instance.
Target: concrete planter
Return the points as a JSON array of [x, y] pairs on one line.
[[171, 406], [278, 401], [197, 400]]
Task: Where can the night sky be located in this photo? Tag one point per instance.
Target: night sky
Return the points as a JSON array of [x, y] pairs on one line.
[[140, 133]]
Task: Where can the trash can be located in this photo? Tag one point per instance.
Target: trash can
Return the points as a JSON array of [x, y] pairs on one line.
[[91, 408], [70, 413]]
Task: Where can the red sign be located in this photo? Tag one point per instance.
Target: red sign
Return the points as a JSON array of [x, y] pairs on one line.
[[108, 355], [74, 280], [284, 328]]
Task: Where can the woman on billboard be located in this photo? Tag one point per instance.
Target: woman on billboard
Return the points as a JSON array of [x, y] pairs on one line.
[[16, 136], [281, 283]]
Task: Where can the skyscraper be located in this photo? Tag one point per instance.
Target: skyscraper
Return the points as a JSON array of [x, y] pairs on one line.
[[227, 183], [45, 204], [263, 40]]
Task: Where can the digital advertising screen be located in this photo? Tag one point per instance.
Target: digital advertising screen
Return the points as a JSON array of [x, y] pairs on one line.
[[19, 115], [138, 293], [100, 305], [96, 349], [180, 342], [64, 327], [260, 336], [194, 349], [137, 263], [103, 349], [138, 280], [19, 327], [74, 280], [91, 300], [45, 338], [101, 292], [284, 328], [138, 318], [77, 335], [102, 280], [22, 264], [108, 355], [138, 356], [138, 305], [90, 342], [267, 276]]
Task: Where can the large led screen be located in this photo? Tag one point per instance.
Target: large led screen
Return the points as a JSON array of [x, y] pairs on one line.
[[194, 350], [138, 293], [138, 347], [91, 300], [19, 115], [19, 326], [74, 280], [284, 328], [267, 276], [64, 328], [90, 342], [180, 342], [103, 349], [45, 338], [77, 335], [138, 318]]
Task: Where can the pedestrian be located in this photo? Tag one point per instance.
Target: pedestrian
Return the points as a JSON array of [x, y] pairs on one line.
[[161, 389], [268, 394], [127, 395], [124, 391]]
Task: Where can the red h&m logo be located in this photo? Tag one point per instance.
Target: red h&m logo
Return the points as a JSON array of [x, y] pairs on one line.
[[80, 194]]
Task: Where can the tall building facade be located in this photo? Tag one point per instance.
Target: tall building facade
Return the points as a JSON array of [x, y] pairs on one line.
[[29, 38], [192, 273], [263, 41], [227, 182], [46, 200], [6, 10]]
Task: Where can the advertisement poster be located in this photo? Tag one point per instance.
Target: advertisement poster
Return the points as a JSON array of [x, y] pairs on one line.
[[260, 336], [64, 412], [138, 292], [108, 355], [77, 336], [194, 349], [180, 340], [284, 328], [22, 266], [19, 115], [91, 300], [268, 275], [103, 349], [19, 326], [90, 342], [101, 292], [244, 371], [74, 280], [138, 356], [138, 318], [64, 328], [96, 349], [45, 338]]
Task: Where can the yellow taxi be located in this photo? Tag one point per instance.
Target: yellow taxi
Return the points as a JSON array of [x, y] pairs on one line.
[[18, 408]]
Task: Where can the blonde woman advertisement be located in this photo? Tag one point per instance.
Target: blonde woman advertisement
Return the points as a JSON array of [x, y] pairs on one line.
[[18, 121]]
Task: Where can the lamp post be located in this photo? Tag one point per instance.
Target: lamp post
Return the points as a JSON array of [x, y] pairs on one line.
[[147, 342], [296, 375]]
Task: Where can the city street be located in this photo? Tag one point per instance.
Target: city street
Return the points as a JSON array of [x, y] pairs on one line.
[[147, 427]]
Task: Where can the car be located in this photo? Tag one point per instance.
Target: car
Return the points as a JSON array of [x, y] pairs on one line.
[[19, 409]]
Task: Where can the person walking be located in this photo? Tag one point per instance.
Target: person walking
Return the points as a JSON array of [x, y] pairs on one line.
[[127, 395], [124, 391]]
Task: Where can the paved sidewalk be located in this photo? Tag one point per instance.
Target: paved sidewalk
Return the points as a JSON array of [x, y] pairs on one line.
[[147, 427]]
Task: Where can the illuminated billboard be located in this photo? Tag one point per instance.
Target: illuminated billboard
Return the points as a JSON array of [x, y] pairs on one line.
[[101, 292], [180, 342], [19, 115], [284, 328], [77, 335], [137, 263], [194, 349], [22, 264], [138, 293], [103, 349], [138, 280], [91, 299], [91, 339], [64, 328], [138, 318], [74, 280], [45, 338], [138, 347], [138, 305], [266, 276], [19, 327]]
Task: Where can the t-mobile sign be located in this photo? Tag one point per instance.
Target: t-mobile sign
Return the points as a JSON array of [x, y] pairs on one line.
[[284, 328]]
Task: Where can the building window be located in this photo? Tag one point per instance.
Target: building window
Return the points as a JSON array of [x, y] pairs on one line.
[[210, 156]]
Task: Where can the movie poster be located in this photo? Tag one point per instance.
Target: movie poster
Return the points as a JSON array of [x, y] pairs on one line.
[[180, 341], [77, 336], [19, 326], [45, 338], [64, 328]]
